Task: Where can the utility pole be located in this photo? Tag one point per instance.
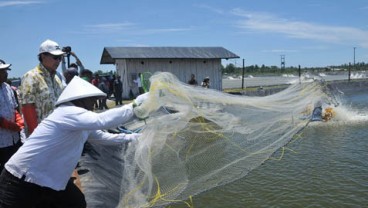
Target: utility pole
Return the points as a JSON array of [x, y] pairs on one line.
[[282, 62], [349, 72], [354, 56], [243, 75]]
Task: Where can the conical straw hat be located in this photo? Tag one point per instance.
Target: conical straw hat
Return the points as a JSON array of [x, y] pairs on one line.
[[79, 88]]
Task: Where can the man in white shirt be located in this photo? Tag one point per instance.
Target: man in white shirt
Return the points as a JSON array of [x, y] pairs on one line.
[[138, 81], [42, 167]]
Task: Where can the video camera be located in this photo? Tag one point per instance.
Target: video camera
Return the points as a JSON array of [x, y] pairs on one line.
[[67, 49]]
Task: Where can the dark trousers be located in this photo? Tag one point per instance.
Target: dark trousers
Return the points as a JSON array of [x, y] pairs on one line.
[[118, 98], [102, 103], [96, 105], [16, 193], [7, 152], [141, 90]]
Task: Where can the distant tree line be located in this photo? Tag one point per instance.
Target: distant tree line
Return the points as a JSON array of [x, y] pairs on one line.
[[255, 69]]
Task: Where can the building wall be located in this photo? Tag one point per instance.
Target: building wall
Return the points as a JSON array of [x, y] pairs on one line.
[[128, 69]]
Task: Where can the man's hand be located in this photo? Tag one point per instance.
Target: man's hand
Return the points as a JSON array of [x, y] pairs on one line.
[[12, 126], [132, 137]]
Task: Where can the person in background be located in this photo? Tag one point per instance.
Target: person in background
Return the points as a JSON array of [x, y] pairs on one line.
[[11, 122], [69, 73], [15, 90], [64, 66], [138, 81], [118, 91], [41, 168], [96, 82], [104, 88], [87, 75], [206, 82], [193, 80], [78, 64], [40, 88], [110, 81]]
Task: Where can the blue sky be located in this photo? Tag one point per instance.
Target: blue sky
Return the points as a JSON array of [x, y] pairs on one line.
[[309, 32]]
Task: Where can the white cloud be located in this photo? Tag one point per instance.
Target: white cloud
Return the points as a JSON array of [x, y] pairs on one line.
[[108, 27], [18, 3], [279, 51], [165, 30], [207, 7], [130, 28], [268, 23]]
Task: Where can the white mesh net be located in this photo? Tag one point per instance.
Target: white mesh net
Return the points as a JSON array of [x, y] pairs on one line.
[[206, 138]]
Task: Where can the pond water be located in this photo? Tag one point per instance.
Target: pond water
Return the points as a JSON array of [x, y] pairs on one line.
[[326, 167]]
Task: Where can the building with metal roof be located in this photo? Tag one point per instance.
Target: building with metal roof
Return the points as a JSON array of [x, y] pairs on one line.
[[181, 61]]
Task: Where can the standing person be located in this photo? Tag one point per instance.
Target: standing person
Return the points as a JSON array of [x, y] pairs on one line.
[[87, 75], [118, 91], [15, 90], [206, 82], [96, 82], [78, 63], [69, 73], [110, 81], [41, 168], [193, 80], [40, 88], [11, 122], [138, 81], [104, 88]]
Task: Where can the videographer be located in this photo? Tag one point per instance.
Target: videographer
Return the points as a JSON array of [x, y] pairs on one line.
[[78, 64]]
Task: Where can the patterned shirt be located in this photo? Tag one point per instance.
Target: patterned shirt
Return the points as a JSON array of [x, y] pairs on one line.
[[41, 89], [7, 111]]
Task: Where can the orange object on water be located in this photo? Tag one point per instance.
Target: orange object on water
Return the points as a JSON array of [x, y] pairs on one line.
[[329, 113]]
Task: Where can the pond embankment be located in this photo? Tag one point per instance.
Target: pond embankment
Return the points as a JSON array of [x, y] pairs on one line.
[[344, 85]]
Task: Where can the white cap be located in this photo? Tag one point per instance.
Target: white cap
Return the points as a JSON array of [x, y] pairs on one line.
[[79, 88], [49, 46], [3, 65]]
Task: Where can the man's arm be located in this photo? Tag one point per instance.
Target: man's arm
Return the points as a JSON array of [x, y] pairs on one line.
[[30, 116], [63, 64], [16, 125], [78, 61]]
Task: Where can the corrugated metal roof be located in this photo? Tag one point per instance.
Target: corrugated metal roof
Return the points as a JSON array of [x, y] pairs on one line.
[[111, 53]]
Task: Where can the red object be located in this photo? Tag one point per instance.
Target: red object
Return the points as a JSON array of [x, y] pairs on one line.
[[30, 116], [19, 120]]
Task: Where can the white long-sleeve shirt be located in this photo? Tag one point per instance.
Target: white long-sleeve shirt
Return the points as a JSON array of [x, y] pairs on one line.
[[52, 151], [138, 82]]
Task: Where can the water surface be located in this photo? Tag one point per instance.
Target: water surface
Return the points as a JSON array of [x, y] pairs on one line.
[[326, 166]]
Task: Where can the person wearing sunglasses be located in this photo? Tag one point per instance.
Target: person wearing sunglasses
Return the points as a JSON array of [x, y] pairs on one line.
[[40, 88]]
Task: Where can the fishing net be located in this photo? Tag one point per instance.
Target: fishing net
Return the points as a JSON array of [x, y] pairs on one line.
[[195, 139]]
